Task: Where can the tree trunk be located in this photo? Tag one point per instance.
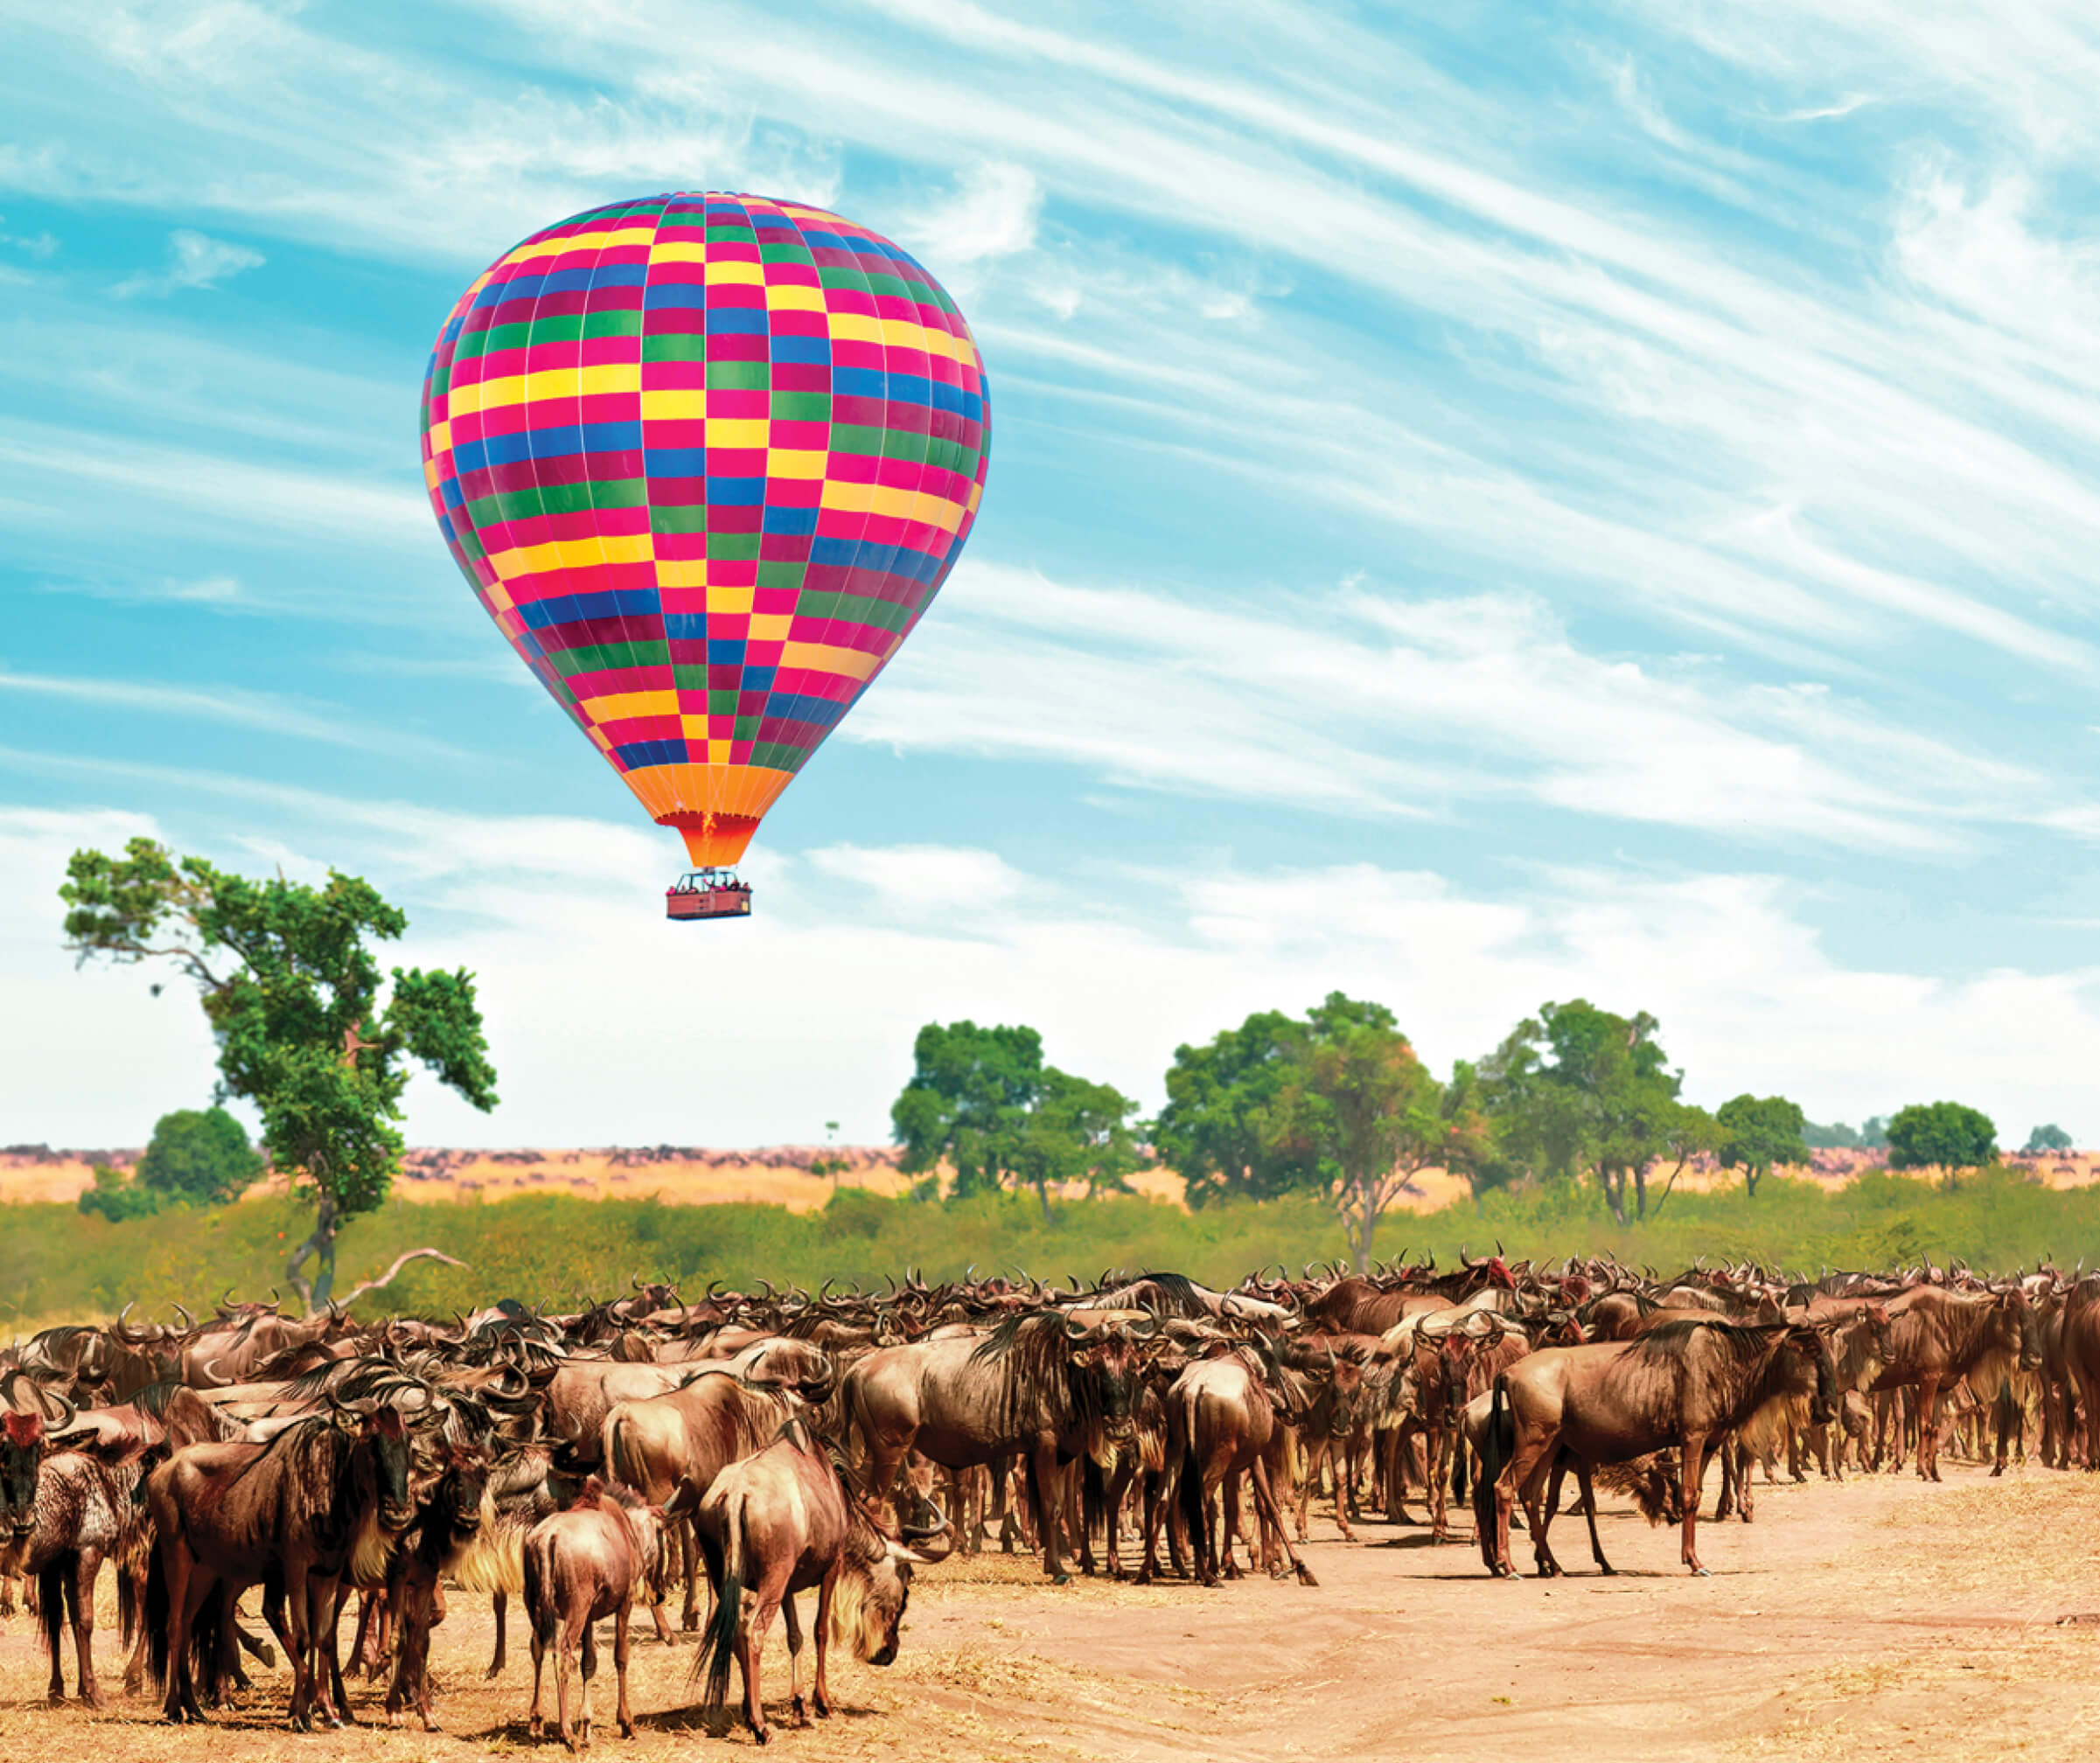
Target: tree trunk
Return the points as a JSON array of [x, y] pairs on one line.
[[1640, 1194], [1043, 1194], [321, 1244], [1750, 1175]]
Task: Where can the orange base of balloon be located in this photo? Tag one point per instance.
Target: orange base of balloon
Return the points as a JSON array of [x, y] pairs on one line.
[[714, 841]]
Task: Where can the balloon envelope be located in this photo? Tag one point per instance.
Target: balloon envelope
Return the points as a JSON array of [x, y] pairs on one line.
[[705, 459]]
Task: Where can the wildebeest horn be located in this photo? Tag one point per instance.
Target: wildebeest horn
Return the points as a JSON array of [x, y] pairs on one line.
[[919, 1533], [1145, 1330], [1076, 1331], [188, 1321], [1499, 1246], [273, 1299]]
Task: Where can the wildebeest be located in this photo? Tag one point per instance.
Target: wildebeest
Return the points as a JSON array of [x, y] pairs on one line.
[[86, 1512], [1940, 1337], [779, 1523], [447, 1529], [1041, 1385], [2082, 1357], [1221, 1417], [293, 1516], [581, 1567], [1685, 1383]]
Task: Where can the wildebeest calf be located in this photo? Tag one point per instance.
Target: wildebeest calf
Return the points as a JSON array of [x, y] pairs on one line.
[[581, 1567]]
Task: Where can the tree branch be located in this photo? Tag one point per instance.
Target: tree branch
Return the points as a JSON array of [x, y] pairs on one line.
[[387, 1278]]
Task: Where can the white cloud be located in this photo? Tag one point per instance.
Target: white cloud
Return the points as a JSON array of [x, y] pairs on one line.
[[1350, 702], [609, 1025], [992, 213], [194, 260], [921, 881]]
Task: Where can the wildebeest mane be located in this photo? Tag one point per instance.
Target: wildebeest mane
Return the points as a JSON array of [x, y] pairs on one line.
[[1034, 1355], [1672, 1340]]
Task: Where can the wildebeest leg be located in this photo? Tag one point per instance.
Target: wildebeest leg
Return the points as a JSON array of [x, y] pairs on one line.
[[80, 1601], [500, 1608], [134, 1668], [1231, 1530], [689, 1617], [1043, 1486], [1589, 1507], [1692, 1468], [298, 1641], [821, 1697], [590, 1670], [1541, 1516], [540, 1637], [576, 1622], [794, 1660], [1928, 1413], [1264, 1502], [331, 1698], [750, 1645], [179, 1579], [622, 1619]]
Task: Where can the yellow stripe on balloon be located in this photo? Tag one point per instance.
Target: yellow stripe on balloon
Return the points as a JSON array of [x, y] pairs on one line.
[[830, 658], [620, 706]]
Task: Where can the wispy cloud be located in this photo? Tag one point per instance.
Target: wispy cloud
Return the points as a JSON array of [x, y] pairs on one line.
[[263, 712], [1352, 702], [194, 260]]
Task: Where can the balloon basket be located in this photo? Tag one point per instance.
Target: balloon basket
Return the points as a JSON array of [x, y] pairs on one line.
[[707, 893]]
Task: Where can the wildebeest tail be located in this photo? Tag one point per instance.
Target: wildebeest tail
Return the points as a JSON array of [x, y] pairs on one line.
[[719, 1646], [157, 1620], [1497, 1441], [211, 1646], [622, 1463], [1195, 1510], [51, 1605], [127, 1603], [1093, 1496], [1458, 1468]]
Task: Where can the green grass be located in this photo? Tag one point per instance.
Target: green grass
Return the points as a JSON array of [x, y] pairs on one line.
[[56, 1262]]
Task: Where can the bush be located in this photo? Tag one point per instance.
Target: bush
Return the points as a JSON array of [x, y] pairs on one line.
[[199, 1157], [117, 1196]]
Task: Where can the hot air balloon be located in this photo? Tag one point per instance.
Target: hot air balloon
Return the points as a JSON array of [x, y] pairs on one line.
[[705, 459]]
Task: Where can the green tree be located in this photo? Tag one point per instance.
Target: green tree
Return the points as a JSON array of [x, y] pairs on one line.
[[293, 996], [1836, 1136], [201, 1157], [969, 1088], [1578, 1089], [2049, 1138], [1216, 1130], [1943, 1135], [983, 1101], [1758, 1131], [1874, 1135], [1074, 1131]]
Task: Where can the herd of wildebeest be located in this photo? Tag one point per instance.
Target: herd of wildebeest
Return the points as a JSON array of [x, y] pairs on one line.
[[776, 1441]]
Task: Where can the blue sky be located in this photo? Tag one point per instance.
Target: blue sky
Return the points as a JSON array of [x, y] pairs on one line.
[[1487, 505]]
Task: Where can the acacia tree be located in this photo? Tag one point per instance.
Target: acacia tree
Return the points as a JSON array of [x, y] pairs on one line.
[[293, 996]]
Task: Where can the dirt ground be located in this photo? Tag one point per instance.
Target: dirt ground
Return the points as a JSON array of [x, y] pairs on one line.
[[1876, 1619]]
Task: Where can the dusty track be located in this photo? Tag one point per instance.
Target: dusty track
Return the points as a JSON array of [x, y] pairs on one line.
[[1867, 1620]]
